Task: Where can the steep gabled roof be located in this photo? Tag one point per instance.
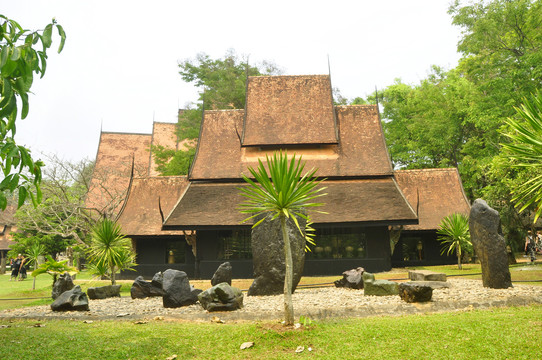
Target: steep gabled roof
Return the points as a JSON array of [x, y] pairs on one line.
[[147, 196], [356, 202], [440, 193], [361, 150], [286, 110], [111, 176]]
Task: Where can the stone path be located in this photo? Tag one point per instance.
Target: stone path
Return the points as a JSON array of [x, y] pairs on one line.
[[315, 303]]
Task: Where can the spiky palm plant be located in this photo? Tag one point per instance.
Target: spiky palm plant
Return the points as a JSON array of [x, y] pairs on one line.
[[454, 235], [32, 254], [54, 268], [285, 193], [110, 249], [526, 148]]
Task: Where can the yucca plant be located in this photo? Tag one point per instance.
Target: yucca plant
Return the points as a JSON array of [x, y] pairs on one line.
[[110, 249], [285, 193], [526, 148], [454, 235]]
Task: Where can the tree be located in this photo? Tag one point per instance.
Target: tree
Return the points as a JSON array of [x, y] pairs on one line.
[[285, 193], [223, 86], [110, 249], [526, 149], [454, 235], [18, 63]]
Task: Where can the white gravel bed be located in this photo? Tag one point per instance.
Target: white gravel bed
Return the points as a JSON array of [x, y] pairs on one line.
[[316, 303]]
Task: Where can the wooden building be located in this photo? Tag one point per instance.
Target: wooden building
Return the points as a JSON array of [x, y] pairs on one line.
[[365, 197]]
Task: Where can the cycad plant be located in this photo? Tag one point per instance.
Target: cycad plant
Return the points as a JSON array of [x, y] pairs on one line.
[[285, 193], [54, 268], [526, 148], [454, 235], [110, 249]]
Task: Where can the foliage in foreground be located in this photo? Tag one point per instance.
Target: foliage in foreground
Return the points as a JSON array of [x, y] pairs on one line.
[[465, 335]]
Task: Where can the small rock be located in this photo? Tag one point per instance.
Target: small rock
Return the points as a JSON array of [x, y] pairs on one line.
[[247, 345], [300, 349]]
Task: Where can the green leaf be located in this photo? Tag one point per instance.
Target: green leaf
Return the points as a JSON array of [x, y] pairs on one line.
[[4, 55], [16, 54], [22, 195], [62, 37], [46, 37]]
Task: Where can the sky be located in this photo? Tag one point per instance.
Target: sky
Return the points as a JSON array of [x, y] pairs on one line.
[[119, 68]]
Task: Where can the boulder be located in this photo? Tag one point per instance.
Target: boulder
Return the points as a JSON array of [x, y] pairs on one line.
[[415, 293], [489, 245], [71, 300], [222, 274], [177, 289], [158, 280], [221, 297], [142, 289], [63, 283], [268, 256], [378, 287], [103, 292], [352, 279], [426, 275]]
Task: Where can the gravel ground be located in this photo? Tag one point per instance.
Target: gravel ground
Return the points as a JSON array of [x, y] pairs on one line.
[[318, 303]]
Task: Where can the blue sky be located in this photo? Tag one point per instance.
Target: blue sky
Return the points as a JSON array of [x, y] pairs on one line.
[[119, 69]]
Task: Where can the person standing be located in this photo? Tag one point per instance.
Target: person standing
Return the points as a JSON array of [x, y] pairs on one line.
[[22, 269], [530, 246], [15, 265]]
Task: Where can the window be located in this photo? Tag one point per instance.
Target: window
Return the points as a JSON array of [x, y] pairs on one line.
[[339, 243], [175, 252], [413, 249], [234, 245]]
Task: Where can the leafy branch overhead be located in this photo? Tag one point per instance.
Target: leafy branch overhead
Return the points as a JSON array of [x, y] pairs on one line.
[[21, 56]]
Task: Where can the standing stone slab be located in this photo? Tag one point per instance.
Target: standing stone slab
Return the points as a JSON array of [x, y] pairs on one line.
[[268, 256], [489, 245], [222, 274], [62, 284], [70, 300], [177, 289]]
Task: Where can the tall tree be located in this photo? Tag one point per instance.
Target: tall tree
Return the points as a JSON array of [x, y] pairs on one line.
[[222, 84], [285, 192], [19, 60]]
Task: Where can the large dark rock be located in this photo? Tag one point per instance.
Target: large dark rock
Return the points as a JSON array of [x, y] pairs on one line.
[[222, 274], [71, 300], [415, 293], [352, 279], [103, 292], [177, 289], [489, 245], [268, 256], [142, 289], [63, 283], [221, 297]]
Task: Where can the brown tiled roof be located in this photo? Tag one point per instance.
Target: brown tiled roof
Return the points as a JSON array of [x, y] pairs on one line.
[[360, 152], [206, 205], [111, 176], [163, 134], [440, 193], [141, 213], [289, 110]]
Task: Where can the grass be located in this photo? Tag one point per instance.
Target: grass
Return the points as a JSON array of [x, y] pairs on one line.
[[504, 333]]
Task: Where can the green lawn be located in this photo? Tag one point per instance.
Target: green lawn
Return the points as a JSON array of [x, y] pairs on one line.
[[504, 333]]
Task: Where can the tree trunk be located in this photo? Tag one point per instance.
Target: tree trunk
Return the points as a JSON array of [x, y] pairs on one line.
[[458, 253], [288, 276], [113, 281], [3, 262]]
